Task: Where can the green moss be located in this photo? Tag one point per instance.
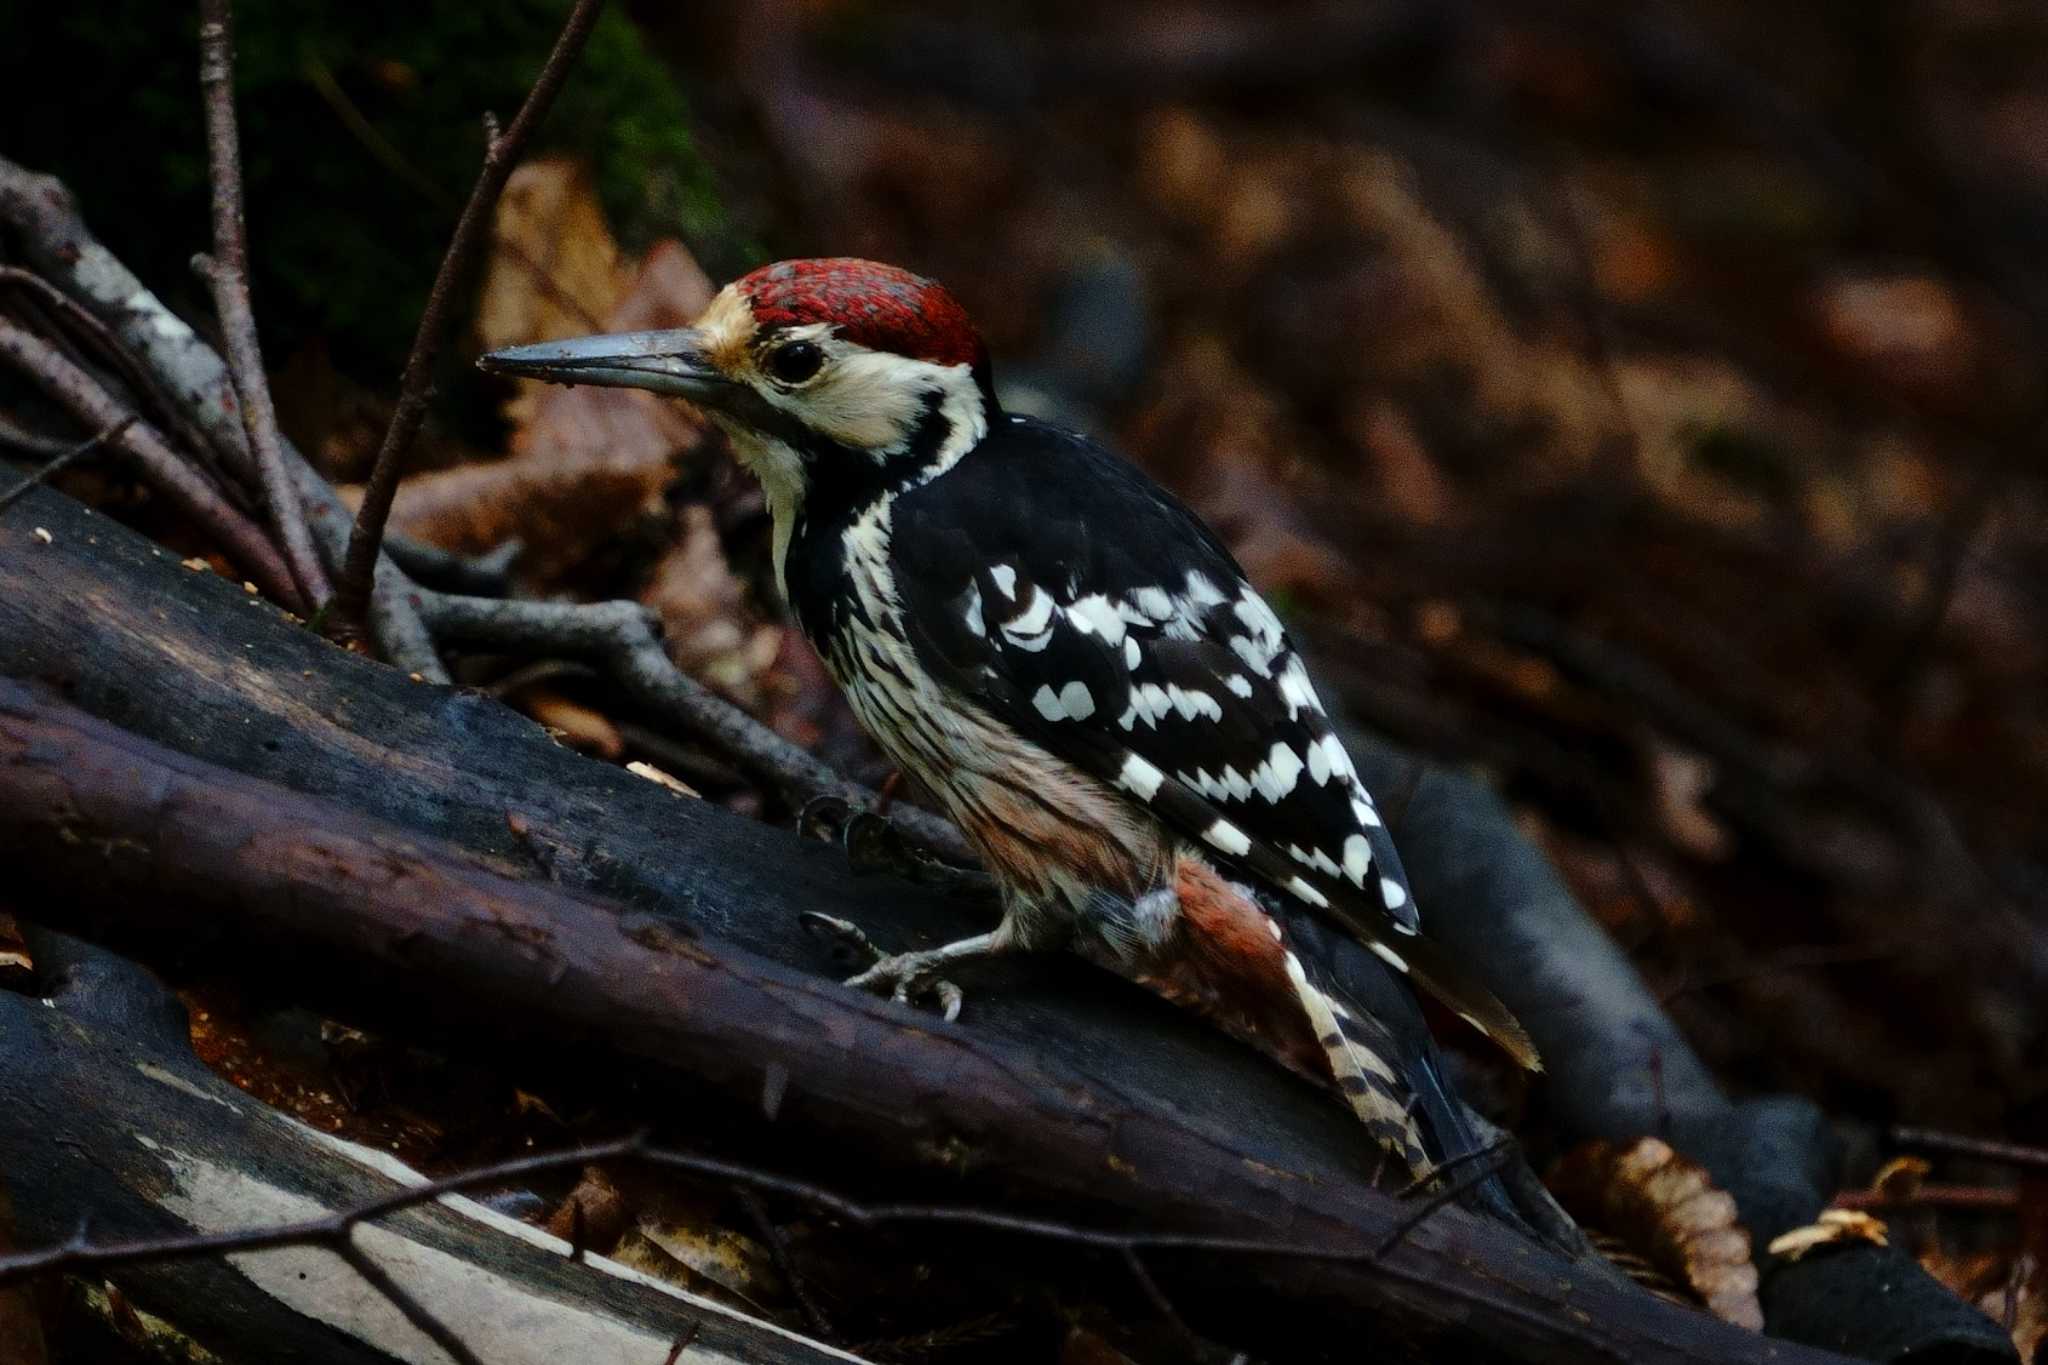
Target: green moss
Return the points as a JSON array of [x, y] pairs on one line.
[[362, 132]]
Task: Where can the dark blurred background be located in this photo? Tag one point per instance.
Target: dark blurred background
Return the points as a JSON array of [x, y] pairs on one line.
[[1642, 404]]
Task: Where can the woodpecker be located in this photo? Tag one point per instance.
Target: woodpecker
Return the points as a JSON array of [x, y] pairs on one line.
[[1077, 669]]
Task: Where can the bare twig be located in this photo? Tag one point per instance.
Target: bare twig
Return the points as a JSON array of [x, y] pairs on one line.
[[621, 637], [69, 314], [352, 593], [336, 1230], [785, 1261], [62, 460], [227, 274], [56, 240], [1984, 1149], [165, 470], [1981, 1197]]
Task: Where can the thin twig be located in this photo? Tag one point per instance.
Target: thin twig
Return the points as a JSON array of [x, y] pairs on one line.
[[227, 274], [57, 242], [1984, 1149], [71, 315], [62, 461], [416, 1313], [621, 637], [784, 1258], [352, 592], [1985, 1197], [1487, 1170], [163, 468]]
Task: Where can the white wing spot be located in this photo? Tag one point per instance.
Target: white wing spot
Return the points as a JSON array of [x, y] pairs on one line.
[[1155, 603], [1395, 894], [1006, 580], [1392, 958], [1296, 690], [1308, 893], [1132, 655], [1241, 685], [1095, 614], [1363, 812], [1036, 616], [1192, 702], [1255, 658], [1357, 858], [1202, 592], [1276, 776], [1139, 778], [1227, 837], [1077, 701], [1048, 704], [973, 612]]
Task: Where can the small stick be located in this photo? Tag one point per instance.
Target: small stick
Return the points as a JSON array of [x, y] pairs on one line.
[[1987, 1149], [501, 154], [165, 470], [227, 274], [62, 461]]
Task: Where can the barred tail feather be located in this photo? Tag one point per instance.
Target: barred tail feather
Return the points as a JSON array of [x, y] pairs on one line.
[[1369, 1083]]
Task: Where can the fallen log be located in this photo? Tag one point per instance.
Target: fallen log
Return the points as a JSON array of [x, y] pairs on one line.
[[1064, 1090], [104, 1107]]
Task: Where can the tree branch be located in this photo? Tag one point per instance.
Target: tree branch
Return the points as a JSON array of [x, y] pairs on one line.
[[352, 593], [227, 273], [163, 468], [56, 241], [620, 637], [61, 461]]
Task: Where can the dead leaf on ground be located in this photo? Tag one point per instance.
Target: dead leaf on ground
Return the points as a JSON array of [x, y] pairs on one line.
[[553, 271], [1834, 1228], [15, 961], [587, 462], [580, 727], [1666, 1209], [711, 629]]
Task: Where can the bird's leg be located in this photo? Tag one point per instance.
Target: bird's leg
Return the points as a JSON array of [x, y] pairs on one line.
[[905, 977]]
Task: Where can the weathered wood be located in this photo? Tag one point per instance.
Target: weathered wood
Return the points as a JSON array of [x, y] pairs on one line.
[[1063, 1088], [104, 1107]]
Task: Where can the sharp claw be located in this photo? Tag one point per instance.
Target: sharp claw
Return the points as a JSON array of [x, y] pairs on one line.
[[848, 942], [825, 817]]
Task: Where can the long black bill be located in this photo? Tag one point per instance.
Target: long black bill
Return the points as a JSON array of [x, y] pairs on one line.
[[671, 362]]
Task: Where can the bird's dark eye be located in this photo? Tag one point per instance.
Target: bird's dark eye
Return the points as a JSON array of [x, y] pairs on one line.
[[795, 361]]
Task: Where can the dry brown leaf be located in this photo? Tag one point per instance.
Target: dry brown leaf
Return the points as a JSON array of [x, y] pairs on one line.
[[588, 461], [597, 1204], [1667, 1210], [583, 729], [554, 270], [2009, 1289], [1908, 334], [14, 954], [708, 625], [1679, 783], [1898, 1181], [1834, 1228]]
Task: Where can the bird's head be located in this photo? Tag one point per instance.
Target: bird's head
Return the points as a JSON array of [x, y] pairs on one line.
[[835, 372]]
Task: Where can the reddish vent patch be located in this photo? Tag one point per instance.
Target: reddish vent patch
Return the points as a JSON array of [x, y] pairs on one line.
[[878, 306]]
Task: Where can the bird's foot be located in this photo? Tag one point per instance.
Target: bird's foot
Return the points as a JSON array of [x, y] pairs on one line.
[[873, 843], [902, 977]]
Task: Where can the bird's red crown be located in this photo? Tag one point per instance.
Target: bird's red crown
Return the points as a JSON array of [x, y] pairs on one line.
[[875, 305]]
